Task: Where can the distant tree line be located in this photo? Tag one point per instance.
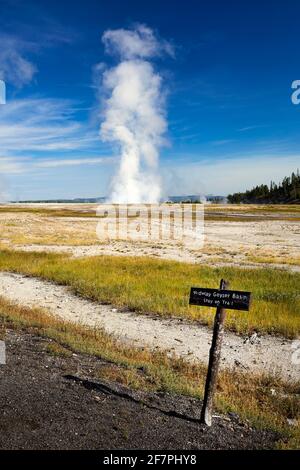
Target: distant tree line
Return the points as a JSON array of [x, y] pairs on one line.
[[286, 192]]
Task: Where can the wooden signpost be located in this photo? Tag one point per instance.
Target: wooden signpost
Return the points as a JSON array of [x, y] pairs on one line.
[[222, 299]]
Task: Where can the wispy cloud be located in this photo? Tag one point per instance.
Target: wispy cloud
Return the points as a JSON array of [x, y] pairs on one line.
[[15, 67], [222, 142], [250, 128], [21, 43], [55, 163], [19, 165], [10, 166], [32, 129], [43, 125]]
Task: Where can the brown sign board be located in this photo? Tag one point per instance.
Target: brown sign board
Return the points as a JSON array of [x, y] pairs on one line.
[[232, 299]]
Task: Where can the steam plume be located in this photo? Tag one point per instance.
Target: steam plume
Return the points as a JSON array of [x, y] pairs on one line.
[[134, 115]]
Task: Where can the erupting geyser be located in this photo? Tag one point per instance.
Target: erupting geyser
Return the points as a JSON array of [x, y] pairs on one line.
[[134, 113]]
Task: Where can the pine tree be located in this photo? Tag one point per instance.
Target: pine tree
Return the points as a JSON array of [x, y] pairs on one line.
[[288, 191]]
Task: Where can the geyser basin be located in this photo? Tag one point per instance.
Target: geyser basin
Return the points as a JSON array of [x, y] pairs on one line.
[[160, 223]]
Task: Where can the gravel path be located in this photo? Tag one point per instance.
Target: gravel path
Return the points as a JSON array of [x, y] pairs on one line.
[[189, 340]]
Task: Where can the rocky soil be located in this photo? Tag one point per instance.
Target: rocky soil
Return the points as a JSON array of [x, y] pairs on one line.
[[50, 402]]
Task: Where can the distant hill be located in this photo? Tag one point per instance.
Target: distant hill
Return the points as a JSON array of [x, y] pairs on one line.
[[91, 200], [197, 198], [87, 200], [286, 192]]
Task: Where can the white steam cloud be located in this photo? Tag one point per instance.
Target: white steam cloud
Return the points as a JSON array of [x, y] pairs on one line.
[[134, 114]]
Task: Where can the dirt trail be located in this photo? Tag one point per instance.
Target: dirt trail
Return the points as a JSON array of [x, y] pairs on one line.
[[191, 341], [44, 407]]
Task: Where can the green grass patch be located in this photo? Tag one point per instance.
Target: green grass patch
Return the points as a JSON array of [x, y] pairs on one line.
[[147, 285]]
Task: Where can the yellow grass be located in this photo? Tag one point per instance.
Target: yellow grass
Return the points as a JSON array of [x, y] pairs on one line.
[[70, 226], [27, 229], [273, 259], [211, 210], [148, 285], [44, 211]]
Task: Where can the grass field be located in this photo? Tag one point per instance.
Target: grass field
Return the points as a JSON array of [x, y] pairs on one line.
[[266, 402], [147, 285]]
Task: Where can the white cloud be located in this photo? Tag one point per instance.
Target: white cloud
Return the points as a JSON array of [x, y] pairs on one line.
[[15, 68], [138, 43]]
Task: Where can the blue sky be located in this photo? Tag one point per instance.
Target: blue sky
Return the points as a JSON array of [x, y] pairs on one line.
[[231, 122]]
